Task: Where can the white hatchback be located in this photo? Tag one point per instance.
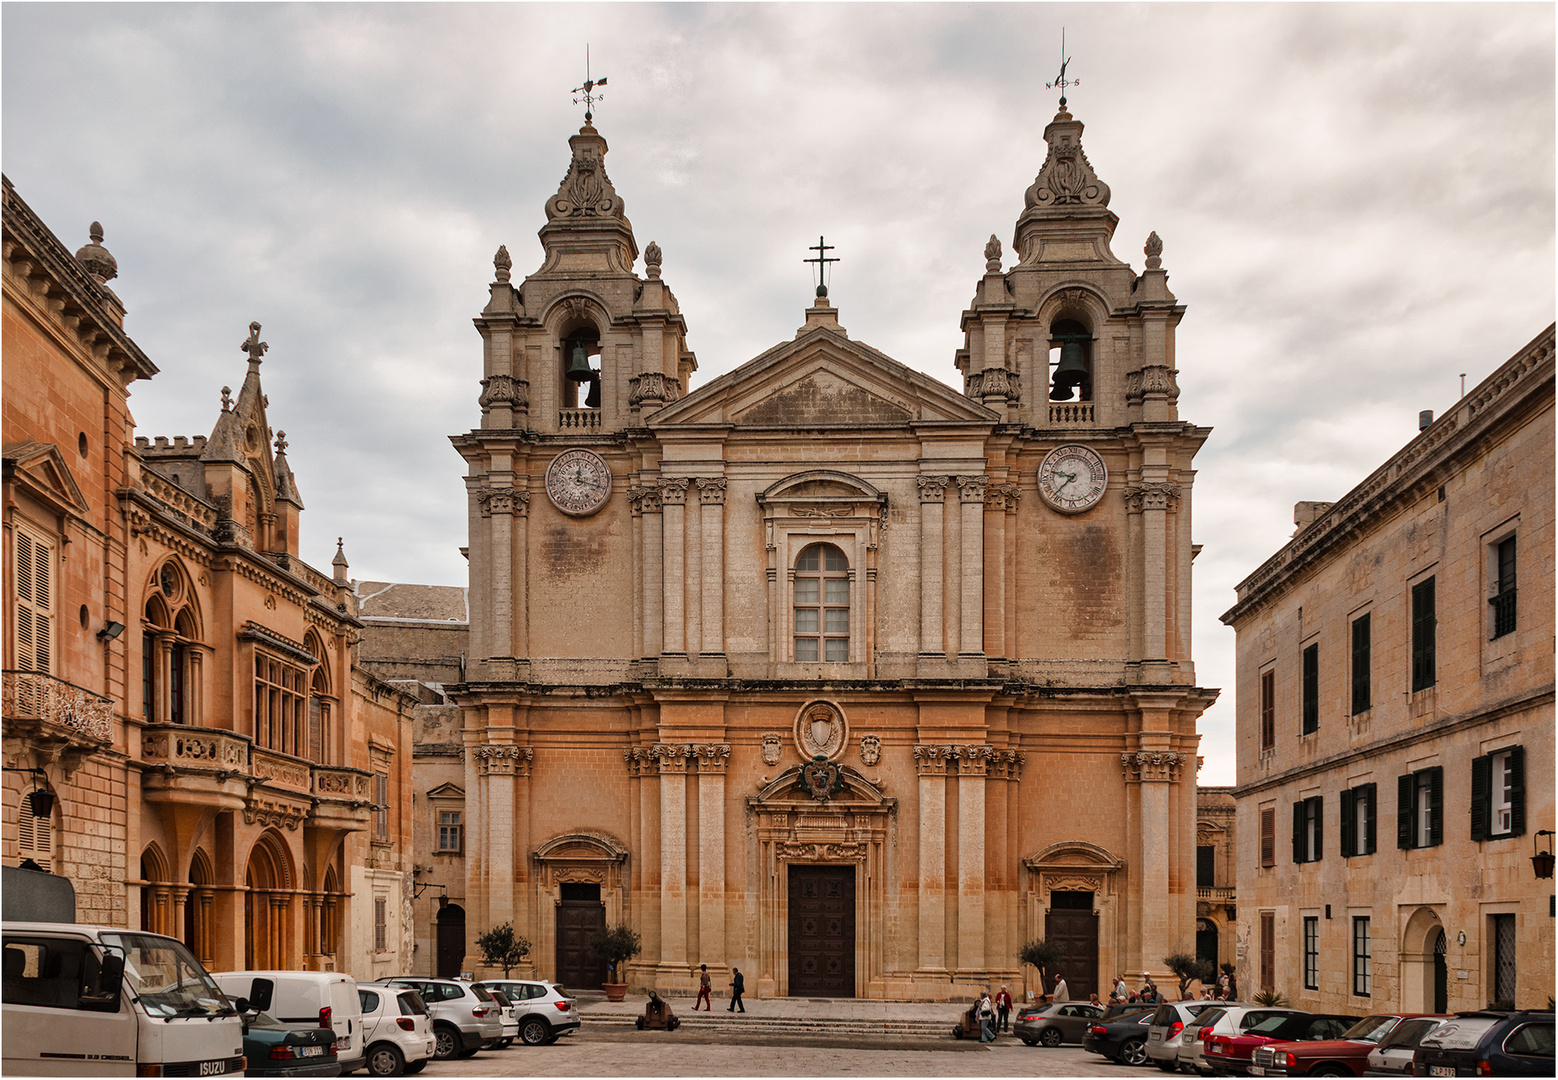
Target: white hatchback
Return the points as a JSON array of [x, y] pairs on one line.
[[396, 1029]]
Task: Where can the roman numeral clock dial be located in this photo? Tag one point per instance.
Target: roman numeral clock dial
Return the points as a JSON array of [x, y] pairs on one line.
[[1072, 479], [578, 482]]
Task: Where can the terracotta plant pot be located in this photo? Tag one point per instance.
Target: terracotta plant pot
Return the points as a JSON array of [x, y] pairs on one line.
[[615, 991]]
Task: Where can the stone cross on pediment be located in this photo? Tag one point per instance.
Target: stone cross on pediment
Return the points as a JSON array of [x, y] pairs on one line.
[[253, 345]]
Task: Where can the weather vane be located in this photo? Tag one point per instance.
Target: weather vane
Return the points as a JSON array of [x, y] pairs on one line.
[[1061, 80], [822, 260], [586, 92]]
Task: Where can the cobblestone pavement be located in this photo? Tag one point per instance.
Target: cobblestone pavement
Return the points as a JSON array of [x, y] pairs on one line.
[[685, 1053]]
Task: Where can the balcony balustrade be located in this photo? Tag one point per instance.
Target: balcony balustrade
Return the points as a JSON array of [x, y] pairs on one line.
[[72, 712]]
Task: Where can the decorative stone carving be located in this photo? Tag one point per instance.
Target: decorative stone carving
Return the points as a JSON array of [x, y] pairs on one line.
[[710, 757], [673, 491], [1066, 178], [932, 488], [821, 731], [644, 500], [671, 757], [273, 813], [1152, 496], [1073, 883], [652, 257], [971, 489], [771, 748], [1151, 765], [711, 489], [640, 761], [1153, 249], [974, 760], [847, 852], [649, 386], [504, 390], [95, 259], [993, 382], [930, 760], [1157, 379], [992, 255], [502, 264], [821, 778], [505, 501], [586, 190], [1005, 765], [870, 750], [503, 759], [1003, 497]]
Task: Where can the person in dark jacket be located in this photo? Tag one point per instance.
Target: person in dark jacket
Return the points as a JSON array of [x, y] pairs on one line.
[[738, 986]]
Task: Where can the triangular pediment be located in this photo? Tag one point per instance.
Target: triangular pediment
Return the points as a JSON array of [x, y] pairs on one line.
[[823, 379], [41, 469]]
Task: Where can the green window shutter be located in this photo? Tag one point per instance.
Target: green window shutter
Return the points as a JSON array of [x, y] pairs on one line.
[[1349, 820], [1318, 805], [1298, 831], [1517, 791], [1435, 806], [1368, 792], [1481, 791], [1405, 801]]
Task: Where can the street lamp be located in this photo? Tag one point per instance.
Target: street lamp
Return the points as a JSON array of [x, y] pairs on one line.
[[1542, 861]]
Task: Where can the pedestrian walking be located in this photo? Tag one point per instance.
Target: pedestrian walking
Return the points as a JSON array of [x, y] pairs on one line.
[[1003, 1009], [1121, 994], [986, 1020], [738, 986], [703, 989], [1062, 991]]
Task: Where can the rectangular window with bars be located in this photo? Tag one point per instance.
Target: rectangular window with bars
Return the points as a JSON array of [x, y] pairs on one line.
[[1311, 952], [1268, 710], [1503, 927], [1424, 625], [1361, 694], [1362, 957], [33, 616], [1312, 689], [381, 813], [451, 832], [1503, 601]]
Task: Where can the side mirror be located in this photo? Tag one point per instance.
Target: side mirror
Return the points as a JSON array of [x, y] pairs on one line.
[[241, 1004], [260, 992], [111, 974]]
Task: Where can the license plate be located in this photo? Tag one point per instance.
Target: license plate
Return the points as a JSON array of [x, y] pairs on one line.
[[1441, 1070], [1154, 1036], [1256, 1070], [311, 1051]]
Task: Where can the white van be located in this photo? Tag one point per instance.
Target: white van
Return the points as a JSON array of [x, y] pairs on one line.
[[308, 999], [106, 1001]]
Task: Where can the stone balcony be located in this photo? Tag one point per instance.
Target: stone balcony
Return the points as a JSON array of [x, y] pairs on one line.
[[1215, 893], [195, 766], [342, 798], [61, 719]]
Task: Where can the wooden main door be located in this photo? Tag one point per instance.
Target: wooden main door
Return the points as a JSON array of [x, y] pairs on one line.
[[1072, 925], [580, 915], [822, 931], [451, 941]]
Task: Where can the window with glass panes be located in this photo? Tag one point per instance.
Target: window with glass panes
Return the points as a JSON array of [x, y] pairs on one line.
[[1362, 957], [280, 702], [1311, 722], [1311, 952], [821, 605], [451, 832], [1424, 624], [1503, 601]]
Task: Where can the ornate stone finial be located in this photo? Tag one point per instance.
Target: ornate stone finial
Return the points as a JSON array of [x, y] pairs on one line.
[[1153, 249], [253, 345], [652, 257], [586, 190], [501, 263], [1067, 178], [227, 399], [339, 562], [992, 255], [95, 259], [281, 442]]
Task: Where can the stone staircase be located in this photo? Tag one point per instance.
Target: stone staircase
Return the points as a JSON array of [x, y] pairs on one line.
[[720, 1021]]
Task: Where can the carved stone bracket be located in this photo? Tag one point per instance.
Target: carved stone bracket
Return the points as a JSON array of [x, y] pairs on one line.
[[971, 489], [504, 390], [711, 489], [499, 759], [1151, 496], [1151, 765], [673, 491], [273, 813], [932, 488], [504, 501], [994, 382]]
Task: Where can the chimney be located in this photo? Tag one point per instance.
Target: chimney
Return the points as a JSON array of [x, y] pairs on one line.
[[1306, 514], [1425, 419]]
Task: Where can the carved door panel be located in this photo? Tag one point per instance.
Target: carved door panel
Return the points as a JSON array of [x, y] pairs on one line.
[[578, 920], [1072, 925], [822, 931]]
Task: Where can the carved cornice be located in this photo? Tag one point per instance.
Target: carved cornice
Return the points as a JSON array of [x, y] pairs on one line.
[[673, 490], [932, 488], [711, 490], [1151, 496], [1152, 765], [792, 850], [502, 759]]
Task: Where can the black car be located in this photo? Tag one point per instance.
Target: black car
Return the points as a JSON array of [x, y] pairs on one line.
[[1123, 1039], [1488, 1043], [274, 1049]]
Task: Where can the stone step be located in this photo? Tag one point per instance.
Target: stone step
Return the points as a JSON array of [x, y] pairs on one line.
[[792, 1025]]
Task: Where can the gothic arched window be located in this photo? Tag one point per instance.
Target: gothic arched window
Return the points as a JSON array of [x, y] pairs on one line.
[[822, 605]]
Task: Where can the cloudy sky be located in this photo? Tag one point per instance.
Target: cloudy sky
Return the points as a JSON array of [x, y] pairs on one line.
[[1356, 204]]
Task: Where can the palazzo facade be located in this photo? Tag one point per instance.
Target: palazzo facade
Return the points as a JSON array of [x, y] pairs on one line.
[[824, 669]]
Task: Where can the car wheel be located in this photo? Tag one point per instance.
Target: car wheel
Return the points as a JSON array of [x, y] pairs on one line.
[[385, 1060], [414, 1067], [1134, 1052], [1167, 1066], [1026, 1041], [1051, 1037], [638, 1022], [468, 1053], [534, 1031], [446, 1042], [1330, 1070]]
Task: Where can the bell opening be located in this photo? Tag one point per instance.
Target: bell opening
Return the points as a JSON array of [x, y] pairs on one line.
[[1070, 362], [581, 363]]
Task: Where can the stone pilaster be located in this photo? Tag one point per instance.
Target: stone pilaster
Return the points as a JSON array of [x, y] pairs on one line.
[[1152, 770], [932, 763], [971, 498], [673, 498], [672, 761], [499, 769], [646, 501], [711, 759], [1153, 501], [932, 495], [711, 499], [973, 763]]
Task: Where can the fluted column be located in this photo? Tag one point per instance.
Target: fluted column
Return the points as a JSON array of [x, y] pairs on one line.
[[971, 498], [672, 760], [932, 492], [673, 496], [973, 762], [712, 759], [711, 499], [931, 763]]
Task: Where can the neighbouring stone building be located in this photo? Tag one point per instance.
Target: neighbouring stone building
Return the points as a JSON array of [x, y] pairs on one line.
[[176, 676], [1395, 722], [824, 669], [1217, 904]]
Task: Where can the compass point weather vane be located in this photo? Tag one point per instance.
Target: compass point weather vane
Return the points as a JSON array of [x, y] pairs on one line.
[[1061, 80], [586, 93]]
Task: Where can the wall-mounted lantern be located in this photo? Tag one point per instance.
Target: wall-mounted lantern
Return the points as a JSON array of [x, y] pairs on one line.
[[1542, 861]]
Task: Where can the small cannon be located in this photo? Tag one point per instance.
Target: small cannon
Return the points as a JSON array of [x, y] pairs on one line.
[[657, 1015]]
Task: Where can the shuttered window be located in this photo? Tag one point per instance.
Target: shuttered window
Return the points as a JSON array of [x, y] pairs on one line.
[[1268, 836], [34, 836], [1360, 665], [1423, 627], [1357, 822], [381, 812], [1268, 710], [34, 613], [1503, 601], [1420, 808], [1268, 950], [380, 924], [1312, 689], [1498, 794], [1308, 815]]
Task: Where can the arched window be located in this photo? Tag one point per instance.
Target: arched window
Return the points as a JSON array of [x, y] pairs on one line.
[[320, 736], [821, 605]]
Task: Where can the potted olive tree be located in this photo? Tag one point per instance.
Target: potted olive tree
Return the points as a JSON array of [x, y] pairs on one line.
[[616, 945], [501, 947]]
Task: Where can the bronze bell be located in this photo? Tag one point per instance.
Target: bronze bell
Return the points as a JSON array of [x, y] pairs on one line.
[[1070, 373], [579, 369], [592, 401]]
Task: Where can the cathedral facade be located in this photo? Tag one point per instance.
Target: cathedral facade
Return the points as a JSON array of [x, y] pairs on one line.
[[826, 670]]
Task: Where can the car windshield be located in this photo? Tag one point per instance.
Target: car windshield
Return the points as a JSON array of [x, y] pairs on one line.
[[1208, 1018], [1371, 1028], [166, 978], [1407, 1034], [1460, 1033]]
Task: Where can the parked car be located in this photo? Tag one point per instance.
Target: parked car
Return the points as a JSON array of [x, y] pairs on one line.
[[544, 1012], [508, 1012], [1231, 1018], [273, 1048], [301, 999], [1393, 1056], [1167, 1030], [396, 1030], [1055, 1024], [465, 1018], [1488, 1043], [1346, 1056], [1229, 1055], [1122, 1039]]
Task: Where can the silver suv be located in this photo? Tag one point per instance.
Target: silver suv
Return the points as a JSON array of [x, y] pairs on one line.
[[465, 1016], [1167, 1030], [544, 1011]]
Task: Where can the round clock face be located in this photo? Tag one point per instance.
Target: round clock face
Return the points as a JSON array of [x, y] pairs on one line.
[[578, 481], [1072, 479]]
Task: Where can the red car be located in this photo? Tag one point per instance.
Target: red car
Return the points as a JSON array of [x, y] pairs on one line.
[[1346, 1056], [1229, 1055]]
